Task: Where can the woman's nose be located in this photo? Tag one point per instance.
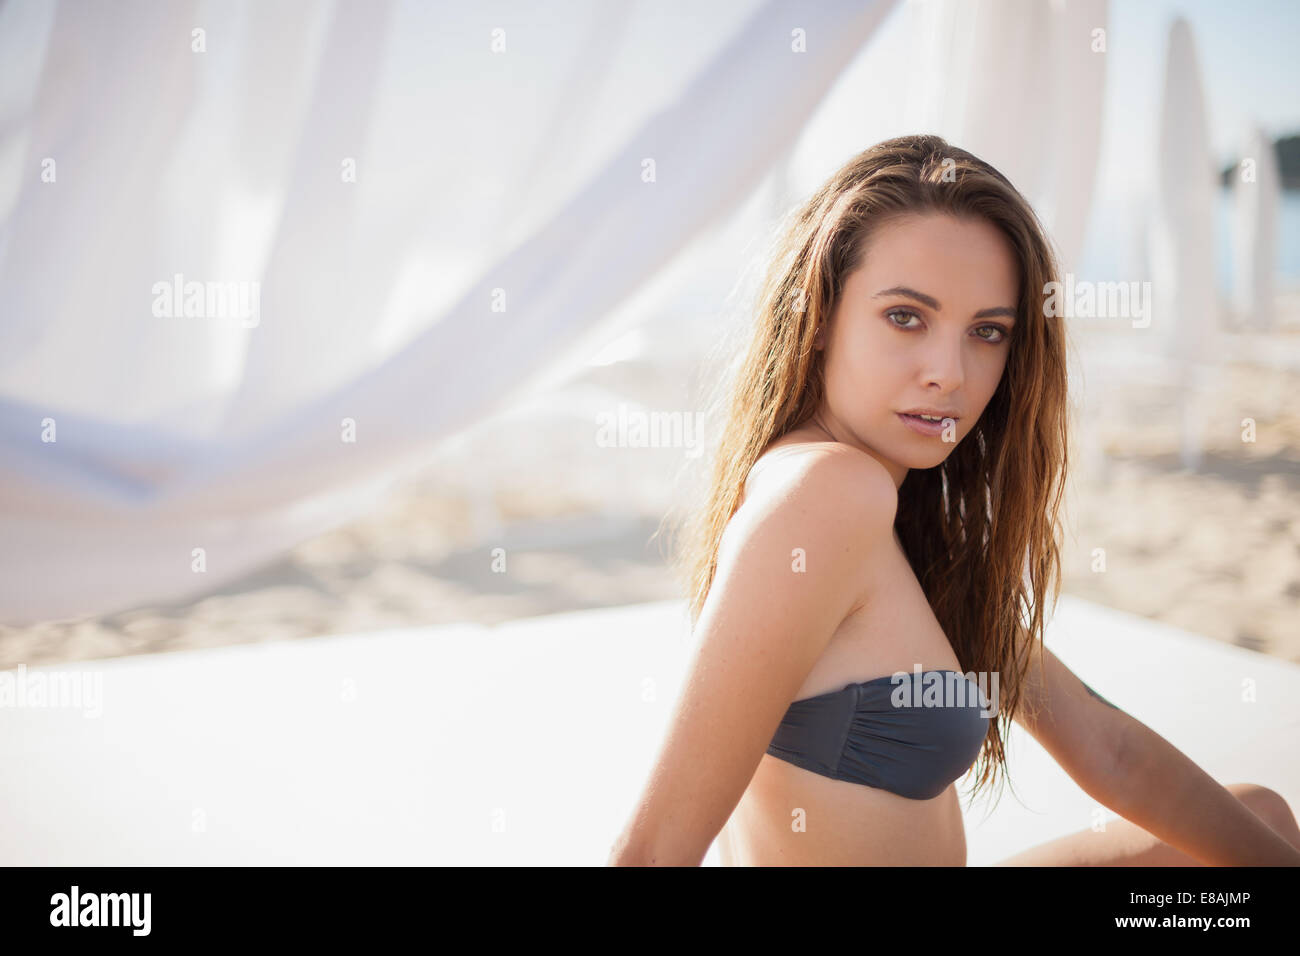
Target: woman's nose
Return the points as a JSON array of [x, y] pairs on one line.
[[943, 363]]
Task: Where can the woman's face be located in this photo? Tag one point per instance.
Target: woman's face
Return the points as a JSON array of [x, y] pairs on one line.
[[924, 323]]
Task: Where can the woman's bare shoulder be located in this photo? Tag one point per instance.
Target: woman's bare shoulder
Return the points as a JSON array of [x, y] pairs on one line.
[[817, 467], [819, 481]]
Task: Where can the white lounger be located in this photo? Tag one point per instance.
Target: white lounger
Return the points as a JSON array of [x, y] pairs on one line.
[[525, 743]]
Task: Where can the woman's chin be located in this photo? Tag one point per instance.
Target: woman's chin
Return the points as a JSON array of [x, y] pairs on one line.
[[924, 460]]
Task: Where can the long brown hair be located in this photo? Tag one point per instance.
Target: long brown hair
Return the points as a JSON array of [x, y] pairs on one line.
[[981, 529]]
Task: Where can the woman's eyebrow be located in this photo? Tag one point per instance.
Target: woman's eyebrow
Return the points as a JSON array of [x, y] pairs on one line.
[[931, 302]]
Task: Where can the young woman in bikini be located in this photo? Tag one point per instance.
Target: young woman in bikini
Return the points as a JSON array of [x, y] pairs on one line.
[[881, 522]]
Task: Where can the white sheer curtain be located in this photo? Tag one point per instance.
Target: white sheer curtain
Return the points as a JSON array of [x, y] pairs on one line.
[[424, 202], [1019, 85]]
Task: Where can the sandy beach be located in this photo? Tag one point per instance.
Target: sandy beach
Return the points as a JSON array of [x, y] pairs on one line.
[[1215, 550]]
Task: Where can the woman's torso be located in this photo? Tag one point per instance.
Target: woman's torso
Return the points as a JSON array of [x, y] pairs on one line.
[[846, 823]]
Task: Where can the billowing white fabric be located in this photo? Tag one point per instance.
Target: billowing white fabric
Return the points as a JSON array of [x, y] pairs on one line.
[[976, 113], [214, 143], [1080, 40], [1021, 86]]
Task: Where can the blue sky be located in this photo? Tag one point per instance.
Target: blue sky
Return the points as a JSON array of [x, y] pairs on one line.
[[1249, 62]]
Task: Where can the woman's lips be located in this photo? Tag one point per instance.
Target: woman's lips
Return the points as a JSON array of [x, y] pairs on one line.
[[918, 424]]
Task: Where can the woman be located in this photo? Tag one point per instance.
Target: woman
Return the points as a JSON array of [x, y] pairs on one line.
[[882, 519]]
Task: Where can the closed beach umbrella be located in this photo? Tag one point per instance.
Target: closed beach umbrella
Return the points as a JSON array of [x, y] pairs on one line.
[[1182, 239], [1255, 199], [1183, 222]]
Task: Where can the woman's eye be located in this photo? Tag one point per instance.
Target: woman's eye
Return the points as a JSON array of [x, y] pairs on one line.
[[993, 334], [904, 312]]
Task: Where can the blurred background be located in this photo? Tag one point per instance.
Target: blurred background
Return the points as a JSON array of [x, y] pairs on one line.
[[487, 242]]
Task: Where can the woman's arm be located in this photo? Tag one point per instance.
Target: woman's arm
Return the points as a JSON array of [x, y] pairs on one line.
[[766, 621], [1126, 766], [1160, 789]]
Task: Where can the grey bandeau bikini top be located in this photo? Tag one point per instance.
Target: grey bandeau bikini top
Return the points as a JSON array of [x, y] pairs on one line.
[[882, 733]]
